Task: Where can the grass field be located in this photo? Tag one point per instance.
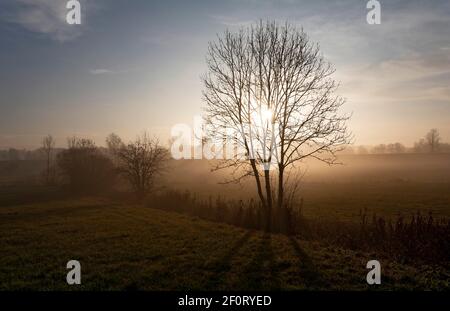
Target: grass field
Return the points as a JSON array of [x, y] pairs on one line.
[[139, 248], [344, 201], [126, 246]]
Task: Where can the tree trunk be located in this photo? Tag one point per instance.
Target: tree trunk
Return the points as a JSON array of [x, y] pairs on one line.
[[280, 186], [48, 169], [280, 199], [258, 183], [269, 199]]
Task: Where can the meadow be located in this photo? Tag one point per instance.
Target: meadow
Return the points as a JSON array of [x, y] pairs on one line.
[[124, 245], [127, 247]]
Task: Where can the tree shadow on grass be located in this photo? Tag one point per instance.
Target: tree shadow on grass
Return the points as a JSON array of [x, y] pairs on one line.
[[223, 266], [307, 270], [261, 273]]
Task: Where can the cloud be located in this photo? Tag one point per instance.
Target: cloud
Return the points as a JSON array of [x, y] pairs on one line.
[[47, 17], [100, 71], [417, 81], [231, 21], [105, 71]]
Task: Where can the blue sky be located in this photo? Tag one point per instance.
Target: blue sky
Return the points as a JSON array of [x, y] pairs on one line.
[[136, 65]]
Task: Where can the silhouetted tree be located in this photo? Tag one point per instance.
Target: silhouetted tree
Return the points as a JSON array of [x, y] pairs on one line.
[[389, 148], [140, 162], [48, 145], [271, 85], [396, 148], [433, 139], [379, 149], [114, 143]]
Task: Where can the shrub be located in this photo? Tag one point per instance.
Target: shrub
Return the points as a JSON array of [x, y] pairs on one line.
[[85, 168]]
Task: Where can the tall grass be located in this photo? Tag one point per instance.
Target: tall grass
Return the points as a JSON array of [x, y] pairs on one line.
[[417, 238]]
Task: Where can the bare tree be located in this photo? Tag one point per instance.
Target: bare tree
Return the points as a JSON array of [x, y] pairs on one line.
[[271, 85], [141, 161], [114, 143], [48, 145], [433, 139]]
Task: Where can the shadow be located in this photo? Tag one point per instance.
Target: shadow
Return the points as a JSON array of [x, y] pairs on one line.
[[223, 266], [262, 273], [307, 269]]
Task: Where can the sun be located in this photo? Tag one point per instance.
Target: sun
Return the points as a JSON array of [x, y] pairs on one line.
[[262, 116]]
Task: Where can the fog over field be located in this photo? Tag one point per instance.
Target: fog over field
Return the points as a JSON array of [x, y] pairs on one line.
[[386, 184]]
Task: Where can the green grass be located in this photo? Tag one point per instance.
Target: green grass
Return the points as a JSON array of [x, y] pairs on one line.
[[124, 247], [343, 201]]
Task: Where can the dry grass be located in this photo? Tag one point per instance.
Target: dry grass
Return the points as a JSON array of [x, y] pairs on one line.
[[134, 247]]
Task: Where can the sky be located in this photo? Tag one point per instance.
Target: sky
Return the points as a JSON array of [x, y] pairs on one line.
[[136, 65]]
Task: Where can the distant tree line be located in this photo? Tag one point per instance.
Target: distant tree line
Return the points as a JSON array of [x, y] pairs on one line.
[[84, 167], [14, 154], [430, 143]]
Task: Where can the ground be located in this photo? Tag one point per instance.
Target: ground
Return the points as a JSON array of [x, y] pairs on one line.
[[132, 247]]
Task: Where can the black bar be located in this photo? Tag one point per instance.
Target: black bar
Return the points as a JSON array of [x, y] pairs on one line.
[[292, 300]]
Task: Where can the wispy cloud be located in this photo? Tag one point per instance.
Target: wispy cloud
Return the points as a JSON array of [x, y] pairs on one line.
[[106, 71], [416, 79], [231, 21], [101, 71], [46, 17]]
